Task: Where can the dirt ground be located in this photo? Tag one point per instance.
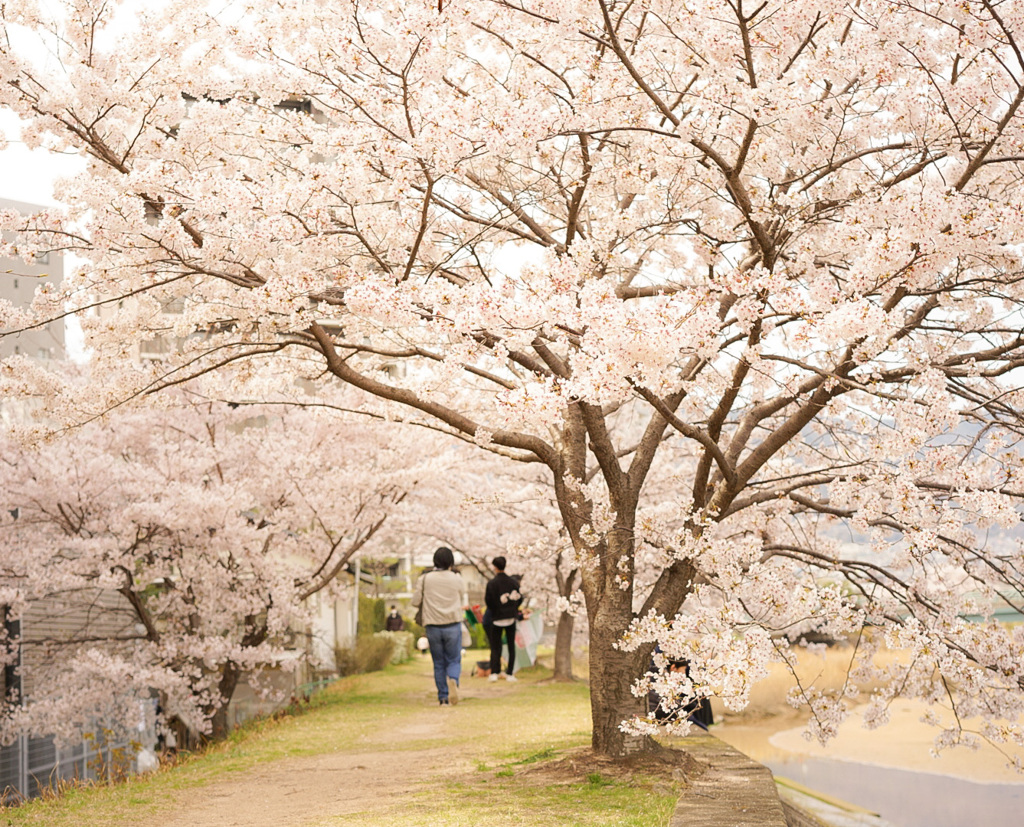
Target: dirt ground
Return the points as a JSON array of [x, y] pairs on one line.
[[382, 772], [303, 791], [318, 790]]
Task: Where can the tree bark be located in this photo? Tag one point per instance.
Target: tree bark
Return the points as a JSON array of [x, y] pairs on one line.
[[563, 647], [255, 634], [608, 590], [612, 674], [226, 690]]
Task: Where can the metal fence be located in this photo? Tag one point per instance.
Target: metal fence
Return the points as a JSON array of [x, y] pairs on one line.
[[30, 766]]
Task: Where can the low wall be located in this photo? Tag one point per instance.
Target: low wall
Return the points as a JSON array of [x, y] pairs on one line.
[[735, 791]]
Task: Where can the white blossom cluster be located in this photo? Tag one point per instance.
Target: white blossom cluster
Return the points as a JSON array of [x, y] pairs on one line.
[[168, 549]]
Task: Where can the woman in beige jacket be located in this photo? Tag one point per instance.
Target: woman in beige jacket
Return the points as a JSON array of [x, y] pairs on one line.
[[441, 594]]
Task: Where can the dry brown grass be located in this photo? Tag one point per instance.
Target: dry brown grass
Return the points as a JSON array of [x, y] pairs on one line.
[[827, 672]]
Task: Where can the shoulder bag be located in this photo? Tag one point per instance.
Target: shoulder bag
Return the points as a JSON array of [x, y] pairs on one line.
[[423, 599]]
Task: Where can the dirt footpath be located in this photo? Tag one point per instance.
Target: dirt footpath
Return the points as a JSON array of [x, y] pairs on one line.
[[389, 763], [306, 791]]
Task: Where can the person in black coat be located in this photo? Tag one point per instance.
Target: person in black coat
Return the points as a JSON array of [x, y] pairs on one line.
[[503, 599], [697, 710], [394, 621]]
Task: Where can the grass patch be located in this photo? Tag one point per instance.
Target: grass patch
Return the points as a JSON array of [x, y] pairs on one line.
[[509, 799], [337, 716], [543, 755]]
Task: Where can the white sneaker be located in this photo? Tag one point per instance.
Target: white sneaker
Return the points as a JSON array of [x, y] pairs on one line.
[[512, 678], [453, 692], [493, 678]]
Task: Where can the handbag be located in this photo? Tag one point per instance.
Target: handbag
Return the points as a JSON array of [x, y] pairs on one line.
[[423, 599], [467, 638]]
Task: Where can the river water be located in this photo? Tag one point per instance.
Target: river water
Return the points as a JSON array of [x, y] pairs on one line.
[[909, 799]]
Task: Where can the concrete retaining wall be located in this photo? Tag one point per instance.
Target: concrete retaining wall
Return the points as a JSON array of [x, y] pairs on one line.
[[735, 791]]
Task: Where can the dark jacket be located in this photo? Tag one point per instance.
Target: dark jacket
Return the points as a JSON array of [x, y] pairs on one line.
[[502, 586], [697, 710]]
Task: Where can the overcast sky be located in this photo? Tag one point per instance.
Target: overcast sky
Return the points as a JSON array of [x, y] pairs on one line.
[[29, 176]]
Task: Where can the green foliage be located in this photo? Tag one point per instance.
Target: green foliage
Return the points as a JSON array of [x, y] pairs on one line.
[[403, 645], [414, 629], [371, 654], [479, 636], [372, 614]]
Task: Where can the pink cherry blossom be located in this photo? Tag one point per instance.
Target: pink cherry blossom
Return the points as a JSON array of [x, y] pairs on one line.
[[744, 283]]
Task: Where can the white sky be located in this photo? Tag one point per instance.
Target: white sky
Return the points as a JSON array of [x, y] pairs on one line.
[[29, 175]]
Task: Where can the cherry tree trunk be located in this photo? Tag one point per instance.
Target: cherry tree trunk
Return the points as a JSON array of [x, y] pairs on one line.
[[608, 591], [612, 674], [563, 647], [226, 690]]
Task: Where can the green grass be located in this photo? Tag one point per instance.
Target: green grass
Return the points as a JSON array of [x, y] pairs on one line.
[[506, 800], [509, 747]]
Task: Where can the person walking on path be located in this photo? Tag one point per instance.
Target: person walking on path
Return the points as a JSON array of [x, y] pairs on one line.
[[502, 598], [440, 595], [394, 622]]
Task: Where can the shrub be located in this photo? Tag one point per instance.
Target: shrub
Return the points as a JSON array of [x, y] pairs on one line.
[[372, 614], [414, 629], [402, 643], [345, 658], [479, 635], [371, 654]]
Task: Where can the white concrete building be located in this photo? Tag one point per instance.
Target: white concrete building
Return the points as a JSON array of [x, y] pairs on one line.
[[18, 282]]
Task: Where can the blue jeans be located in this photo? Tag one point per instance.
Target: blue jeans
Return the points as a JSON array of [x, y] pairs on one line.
[[446, 652]]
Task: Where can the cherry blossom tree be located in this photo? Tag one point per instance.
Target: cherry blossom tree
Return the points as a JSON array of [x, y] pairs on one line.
[[768, 250], [184, 544]]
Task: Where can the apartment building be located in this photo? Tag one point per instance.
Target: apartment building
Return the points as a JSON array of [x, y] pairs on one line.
[[18, 282]]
